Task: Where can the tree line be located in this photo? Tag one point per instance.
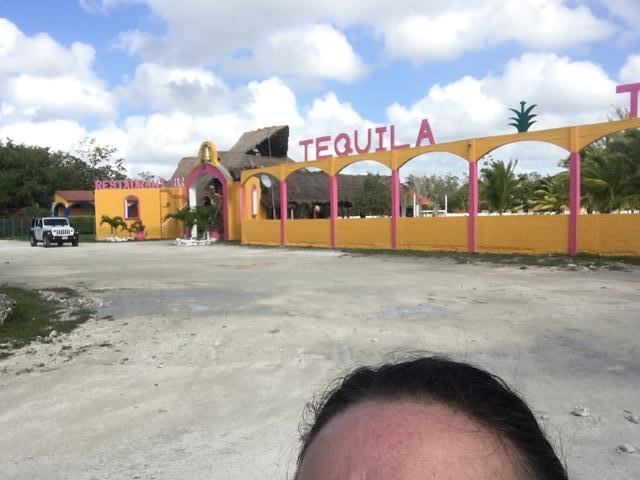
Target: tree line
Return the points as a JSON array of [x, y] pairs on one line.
[[30, 175]]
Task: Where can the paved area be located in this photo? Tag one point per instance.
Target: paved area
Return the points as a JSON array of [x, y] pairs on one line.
[[202, 358]]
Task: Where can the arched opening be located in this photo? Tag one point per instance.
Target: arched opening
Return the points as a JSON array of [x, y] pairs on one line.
[[513, 179], [131, 208], [364, 190], [434, 184], [262, 217], [206, 189], [59, 210], [524, 199], [309, 203], [308, 194], [434, 203]]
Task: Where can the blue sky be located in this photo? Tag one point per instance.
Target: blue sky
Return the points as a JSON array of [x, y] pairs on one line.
[[156, 77]]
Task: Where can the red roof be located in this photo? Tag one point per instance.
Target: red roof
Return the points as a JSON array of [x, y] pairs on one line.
[[77, 195], [422, 200]]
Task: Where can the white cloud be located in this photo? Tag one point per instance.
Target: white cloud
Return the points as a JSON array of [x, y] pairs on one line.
[[171, 88], [42, 80], [630, 72], [567, 93], [56, 134], [319, 52], [58, 97], [286, 37]]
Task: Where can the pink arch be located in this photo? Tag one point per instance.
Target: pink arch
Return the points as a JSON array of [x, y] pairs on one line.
[[197, 173]]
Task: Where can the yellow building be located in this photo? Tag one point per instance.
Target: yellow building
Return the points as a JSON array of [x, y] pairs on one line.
[[196, 181]]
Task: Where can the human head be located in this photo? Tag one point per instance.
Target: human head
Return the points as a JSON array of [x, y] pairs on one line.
[[417, 407]]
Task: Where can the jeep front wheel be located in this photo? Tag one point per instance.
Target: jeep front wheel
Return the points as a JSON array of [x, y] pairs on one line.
[[33, 241], [75, 243], [46, 241]]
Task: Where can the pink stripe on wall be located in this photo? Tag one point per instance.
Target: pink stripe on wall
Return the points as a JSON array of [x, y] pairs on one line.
[[473, 208], [574, 201], [333, 198], [283, 212], [395, 206]]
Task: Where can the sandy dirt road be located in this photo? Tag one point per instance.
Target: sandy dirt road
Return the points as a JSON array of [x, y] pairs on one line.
[[201, 359]]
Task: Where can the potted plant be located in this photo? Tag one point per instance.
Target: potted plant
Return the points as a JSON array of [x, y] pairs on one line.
[[138, 228]]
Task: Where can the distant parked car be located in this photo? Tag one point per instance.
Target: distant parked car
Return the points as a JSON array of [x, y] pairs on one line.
[[50, 230]]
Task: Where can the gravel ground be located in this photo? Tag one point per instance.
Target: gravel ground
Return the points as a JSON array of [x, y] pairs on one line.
[[201, 359]]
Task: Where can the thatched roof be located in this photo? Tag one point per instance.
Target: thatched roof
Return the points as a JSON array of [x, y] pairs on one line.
[[259, 148], [266, 142], [313, 188]]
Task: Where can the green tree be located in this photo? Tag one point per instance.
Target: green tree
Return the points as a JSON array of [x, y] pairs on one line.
[[436, 187], [499, 186], [610, 173], [375, 196], [552, 194], [30, 175]]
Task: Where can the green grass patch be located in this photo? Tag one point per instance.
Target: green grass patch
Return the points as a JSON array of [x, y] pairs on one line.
[[34, 316]]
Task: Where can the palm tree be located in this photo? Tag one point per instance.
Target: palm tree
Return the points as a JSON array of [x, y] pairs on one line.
[[611, 172], [499, 185], [552, 195], [114, 223]]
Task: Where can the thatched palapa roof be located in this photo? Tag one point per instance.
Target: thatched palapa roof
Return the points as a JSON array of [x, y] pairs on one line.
[[264, 147]]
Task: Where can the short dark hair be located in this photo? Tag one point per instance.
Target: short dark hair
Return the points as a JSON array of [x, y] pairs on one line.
[[482, 396]]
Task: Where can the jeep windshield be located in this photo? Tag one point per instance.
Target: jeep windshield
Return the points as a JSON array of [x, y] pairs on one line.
[[55, 222]]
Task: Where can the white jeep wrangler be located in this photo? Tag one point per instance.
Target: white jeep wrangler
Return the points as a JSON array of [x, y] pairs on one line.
[[50, 230]]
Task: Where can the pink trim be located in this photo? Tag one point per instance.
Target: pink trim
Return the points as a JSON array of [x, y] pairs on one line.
[[473, 208], [283, 212], [395, 206], [197, 173], [333, 199], [242, 202], [632, 89], [574, 201]]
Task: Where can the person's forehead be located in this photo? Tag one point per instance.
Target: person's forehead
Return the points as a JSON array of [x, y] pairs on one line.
[[404, 440]]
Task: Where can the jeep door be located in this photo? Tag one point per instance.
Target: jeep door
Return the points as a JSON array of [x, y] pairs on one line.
[[37, 230]]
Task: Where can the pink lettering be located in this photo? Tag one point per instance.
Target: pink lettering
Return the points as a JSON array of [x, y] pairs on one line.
[[305, 144], [393, 139], [355, 142], [138, 184], [632, 89], [322, 148], [425, 133], [97, 184], [381, 131], [112, 184], [342, 137]]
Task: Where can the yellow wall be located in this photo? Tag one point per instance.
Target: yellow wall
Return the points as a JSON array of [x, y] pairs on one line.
[[428, 233], [523, 234], [609, 234], [154, 205], [261, 232], [305, 232], [363, 232]]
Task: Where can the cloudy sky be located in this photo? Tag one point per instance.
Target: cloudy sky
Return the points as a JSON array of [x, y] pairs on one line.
[[156, 77]]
